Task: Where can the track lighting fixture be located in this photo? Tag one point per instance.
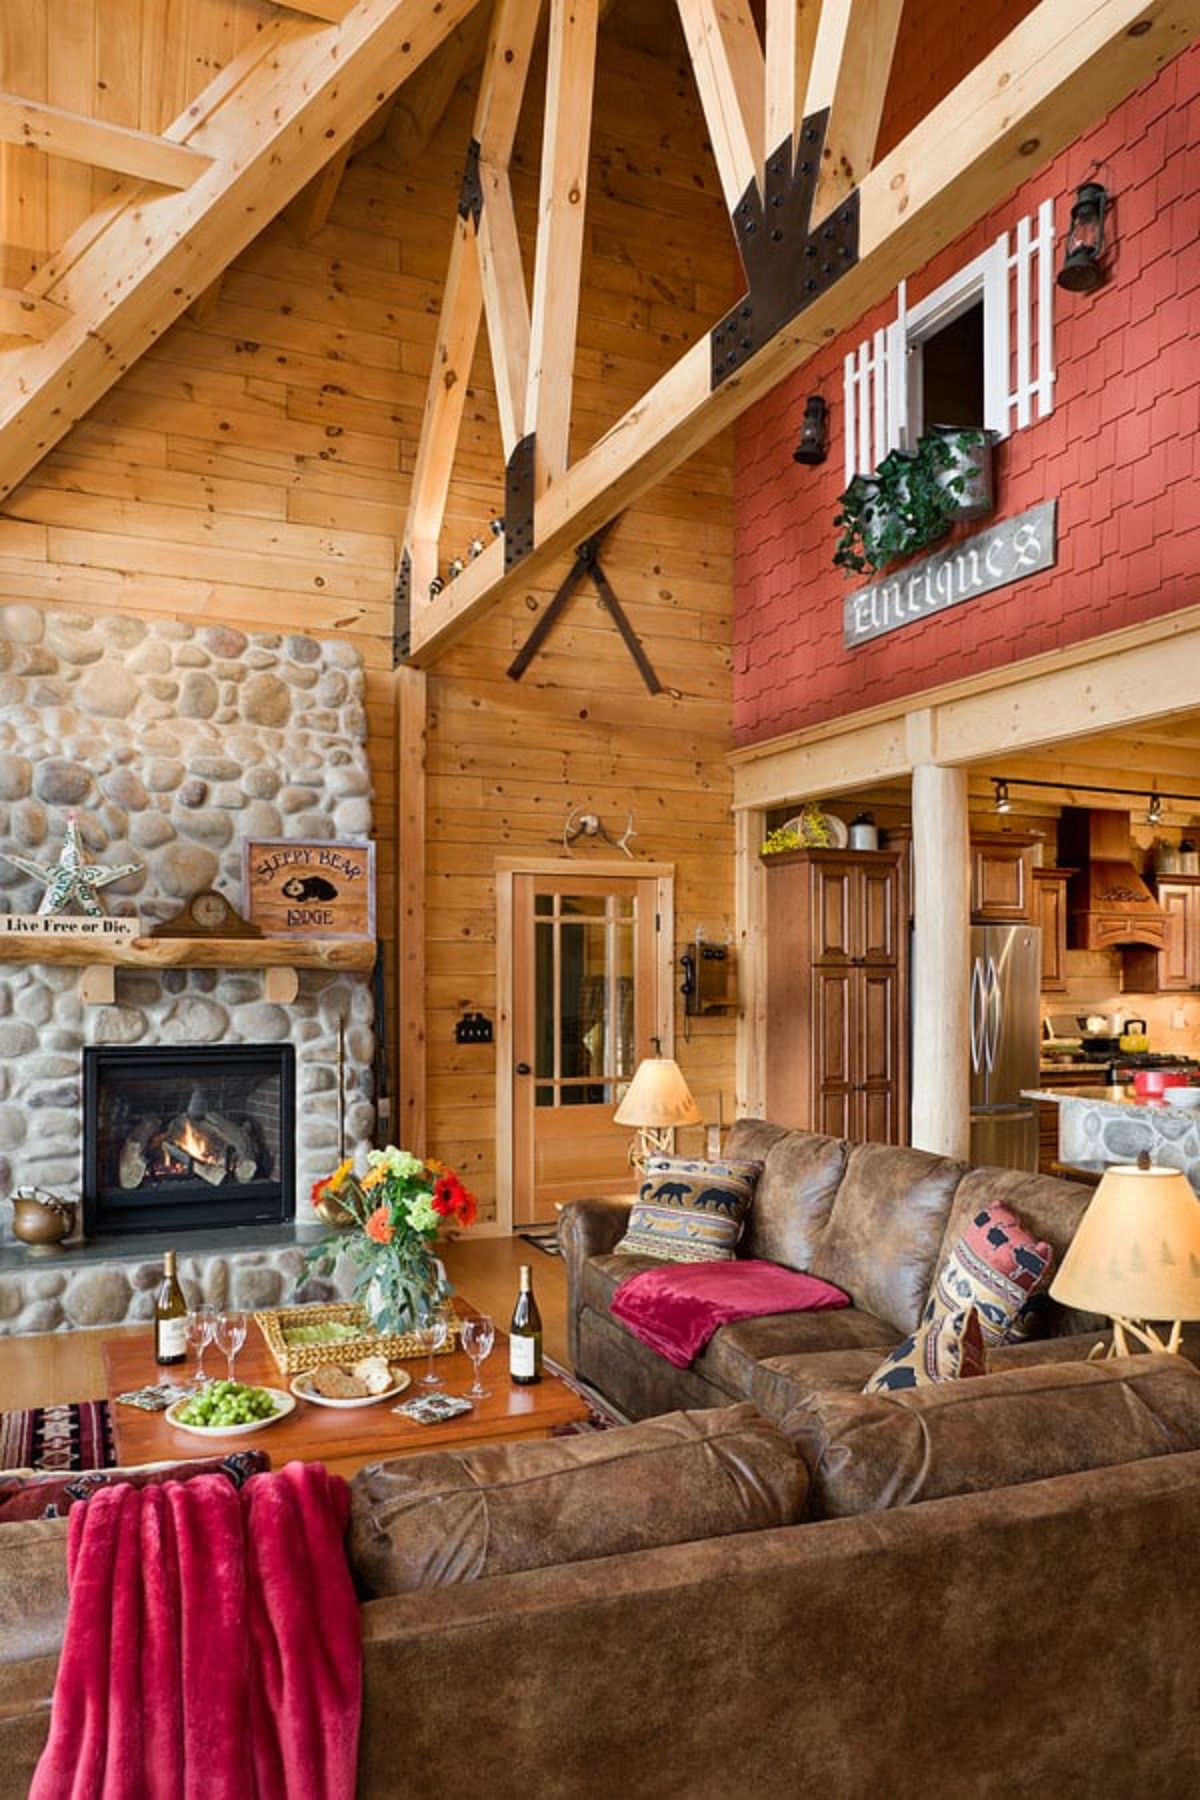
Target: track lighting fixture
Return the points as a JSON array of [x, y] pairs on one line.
[[1003, 803], [1154, 810]]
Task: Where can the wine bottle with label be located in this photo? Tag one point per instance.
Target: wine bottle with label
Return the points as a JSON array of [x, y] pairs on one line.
[[170, 1315], [525, 1334]]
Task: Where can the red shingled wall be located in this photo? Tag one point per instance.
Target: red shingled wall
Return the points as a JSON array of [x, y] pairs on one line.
[[1119, 451]]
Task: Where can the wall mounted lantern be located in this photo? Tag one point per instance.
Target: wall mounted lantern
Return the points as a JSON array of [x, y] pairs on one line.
[[814, 433], [1082, 271], [1002, 802]]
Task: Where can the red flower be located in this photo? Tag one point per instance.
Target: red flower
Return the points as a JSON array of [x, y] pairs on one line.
[[318, 1190], [453, 1201], [379, 1226]]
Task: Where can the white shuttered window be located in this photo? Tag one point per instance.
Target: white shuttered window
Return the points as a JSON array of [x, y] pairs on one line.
[[1014, 278]]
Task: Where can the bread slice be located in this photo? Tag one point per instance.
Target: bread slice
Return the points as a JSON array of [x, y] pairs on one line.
[[338, 1384], [375, 1372]]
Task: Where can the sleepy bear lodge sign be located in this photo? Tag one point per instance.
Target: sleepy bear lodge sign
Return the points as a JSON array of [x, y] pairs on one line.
[[293, 888]]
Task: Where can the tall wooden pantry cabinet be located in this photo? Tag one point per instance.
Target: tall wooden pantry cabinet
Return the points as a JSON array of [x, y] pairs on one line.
[[835, 994]]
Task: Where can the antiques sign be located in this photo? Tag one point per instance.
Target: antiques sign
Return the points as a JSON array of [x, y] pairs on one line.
[[978, 565], [295, 888]]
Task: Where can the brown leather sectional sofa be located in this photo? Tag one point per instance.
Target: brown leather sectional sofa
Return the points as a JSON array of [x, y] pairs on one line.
[[876, 1220]]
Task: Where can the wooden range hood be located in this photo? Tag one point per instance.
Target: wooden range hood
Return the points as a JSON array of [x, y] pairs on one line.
[[1108, 903]]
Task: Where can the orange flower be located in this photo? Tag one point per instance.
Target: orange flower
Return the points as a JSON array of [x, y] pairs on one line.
[[379, 1226]]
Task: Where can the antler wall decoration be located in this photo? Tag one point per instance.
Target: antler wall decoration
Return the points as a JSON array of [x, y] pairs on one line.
[[582, 824]]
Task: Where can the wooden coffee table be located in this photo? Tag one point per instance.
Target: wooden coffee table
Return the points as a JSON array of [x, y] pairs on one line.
[[342, 1440]]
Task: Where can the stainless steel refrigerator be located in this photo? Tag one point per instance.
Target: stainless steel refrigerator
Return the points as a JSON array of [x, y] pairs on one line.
[[1006, 973]]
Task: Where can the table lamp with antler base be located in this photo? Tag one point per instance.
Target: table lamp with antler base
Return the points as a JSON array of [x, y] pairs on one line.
[[656, 1101]]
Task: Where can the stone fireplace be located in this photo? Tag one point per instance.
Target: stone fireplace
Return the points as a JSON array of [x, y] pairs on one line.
[[172, 743]]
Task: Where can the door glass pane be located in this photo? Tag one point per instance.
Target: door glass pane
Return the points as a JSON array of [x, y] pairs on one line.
[[543, 903], [584, 1027]]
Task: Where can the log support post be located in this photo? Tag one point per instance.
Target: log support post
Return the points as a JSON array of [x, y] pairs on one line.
[[941, 1078]]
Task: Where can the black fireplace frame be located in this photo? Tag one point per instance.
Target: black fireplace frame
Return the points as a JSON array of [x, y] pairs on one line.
[[122, 1211]]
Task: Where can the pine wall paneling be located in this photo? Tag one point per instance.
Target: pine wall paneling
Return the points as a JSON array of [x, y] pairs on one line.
[[254, 469]]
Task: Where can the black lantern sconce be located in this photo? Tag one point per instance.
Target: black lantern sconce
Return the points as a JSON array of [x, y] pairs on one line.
[[814, 433], [1082, 271]]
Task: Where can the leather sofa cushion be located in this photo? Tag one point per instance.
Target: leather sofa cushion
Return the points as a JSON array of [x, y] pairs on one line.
[[635, 1379], [869, 1452], [796, 1191], [602, 1275], [783, 1384], [885, 1231], [33, 1588], [1048, 1209], [425, 1521], [734, 1352]]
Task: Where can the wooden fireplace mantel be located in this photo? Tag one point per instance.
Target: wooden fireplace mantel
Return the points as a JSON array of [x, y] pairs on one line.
[[280, 958]]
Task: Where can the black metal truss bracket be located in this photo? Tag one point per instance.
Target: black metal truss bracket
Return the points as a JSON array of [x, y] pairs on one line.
[[585, 566], [402, 612], [787, 264], [470, 195], [518, 501]]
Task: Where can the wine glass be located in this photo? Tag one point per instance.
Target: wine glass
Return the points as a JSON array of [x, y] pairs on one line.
[[433, 1328], [201, 1324], [230, 1335], [478, 1336]]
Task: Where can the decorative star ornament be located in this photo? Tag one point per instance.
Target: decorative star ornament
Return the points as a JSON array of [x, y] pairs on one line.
[[70, 883]]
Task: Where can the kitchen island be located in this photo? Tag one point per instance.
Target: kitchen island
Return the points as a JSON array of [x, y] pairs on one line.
[[1099, 1125]]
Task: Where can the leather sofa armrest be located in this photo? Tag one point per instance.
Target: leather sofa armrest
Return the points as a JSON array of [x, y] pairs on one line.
[[586, 1228]]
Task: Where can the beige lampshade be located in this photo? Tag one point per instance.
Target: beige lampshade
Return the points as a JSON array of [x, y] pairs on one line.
[[658, 1097], [1136, 1254]]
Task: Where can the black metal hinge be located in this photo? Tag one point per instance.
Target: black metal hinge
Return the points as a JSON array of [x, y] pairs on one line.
[[470, 194], [518, 501], [787, 263], [402, 611]]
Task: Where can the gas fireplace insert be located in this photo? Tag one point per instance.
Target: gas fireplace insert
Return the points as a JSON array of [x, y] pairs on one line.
[[177, 1138]]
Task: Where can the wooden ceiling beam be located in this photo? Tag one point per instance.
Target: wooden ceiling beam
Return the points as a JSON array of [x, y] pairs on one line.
[[727, 61], [852, 63], [505, 303], [33, 125], [267, 123], [791, 41], [25, 316], [329, 12], [1068, 63], [558, 270], [309, 211]]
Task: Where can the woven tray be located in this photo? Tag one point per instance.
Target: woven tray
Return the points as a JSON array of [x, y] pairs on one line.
[[292, 1358]]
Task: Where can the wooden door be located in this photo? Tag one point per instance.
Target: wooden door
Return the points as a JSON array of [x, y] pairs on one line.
[[832, 1098], [1177, 957], [877, 912], [877, 1029], [835, 923], [1050, 893], [584, 991]]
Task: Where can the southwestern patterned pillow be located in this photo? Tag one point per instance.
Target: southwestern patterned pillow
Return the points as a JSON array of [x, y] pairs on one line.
[[53, 1496], [690, 1211], [997, 1267], [948, 1349]]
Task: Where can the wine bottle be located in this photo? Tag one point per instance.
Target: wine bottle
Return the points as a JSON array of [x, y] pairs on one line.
[[525, 1334], [170, 1315]]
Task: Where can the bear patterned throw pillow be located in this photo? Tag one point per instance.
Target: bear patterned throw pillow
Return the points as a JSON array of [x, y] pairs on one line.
[[690, 1211], [947, 1349], [997, 1267]]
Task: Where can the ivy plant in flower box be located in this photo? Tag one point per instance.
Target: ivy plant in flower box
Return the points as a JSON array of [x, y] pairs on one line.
[[913, 498]]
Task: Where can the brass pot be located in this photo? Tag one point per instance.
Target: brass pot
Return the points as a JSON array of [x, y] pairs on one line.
[[41, 1218], [330, 1211]]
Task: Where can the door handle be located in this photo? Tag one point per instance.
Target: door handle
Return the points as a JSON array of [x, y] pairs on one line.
[[994, 1006], [976, 1014], [524, 1069]]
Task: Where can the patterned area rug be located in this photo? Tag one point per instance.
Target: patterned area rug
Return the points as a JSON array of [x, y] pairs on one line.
[[58, 1439]]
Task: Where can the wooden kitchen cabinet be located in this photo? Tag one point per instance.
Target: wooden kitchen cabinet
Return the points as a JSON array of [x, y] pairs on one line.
[[1050, 902], [1002, 880], [1175, 969], [835, 994]]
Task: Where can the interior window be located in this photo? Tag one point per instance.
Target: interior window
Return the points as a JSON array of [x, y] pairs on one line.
[[951, 378]]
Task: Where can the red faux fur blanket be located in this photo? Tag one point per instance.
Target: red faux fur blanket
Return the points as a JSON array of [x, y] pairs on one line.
[[212, 1647], [675, 1310]]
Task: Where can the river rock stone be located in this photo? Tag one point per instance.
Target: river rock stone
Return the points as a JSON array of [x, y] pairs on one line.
[[198, 1021], [16, 776], [153, 657], [262, 781], [120, 1025], [97, 1297], [125, 788], [295, 799], [225, 641], [13, 1127], [266, 701], [209, 825], [185, 869], [192, 792], [151, 830], [198, 695], [61, 783], [17, 1038], [22, 624], [109, 691]]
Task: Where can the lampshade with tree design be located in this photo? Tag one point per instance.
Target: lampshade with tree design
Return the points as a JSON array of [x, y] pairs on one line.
[[656, 1101], [1136, 1256]]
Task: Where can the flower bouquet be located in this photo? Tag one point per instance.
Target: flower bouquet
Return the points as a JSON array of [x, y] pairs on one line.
[[394, 1214]]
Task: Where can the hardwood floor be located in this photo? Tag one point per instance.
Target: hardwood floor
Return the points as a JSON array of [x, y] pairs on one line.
[[66, 1365]]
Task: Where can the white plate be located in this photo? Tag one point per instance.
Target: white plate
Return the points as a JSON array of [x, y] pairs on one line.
[[302, 1390], [839, 831], [284, 1404], [1186, 1097]]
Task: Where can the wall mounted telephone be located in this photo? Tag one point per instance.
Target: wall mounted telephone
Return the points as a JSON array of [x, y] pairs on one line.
[[709, 982]]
